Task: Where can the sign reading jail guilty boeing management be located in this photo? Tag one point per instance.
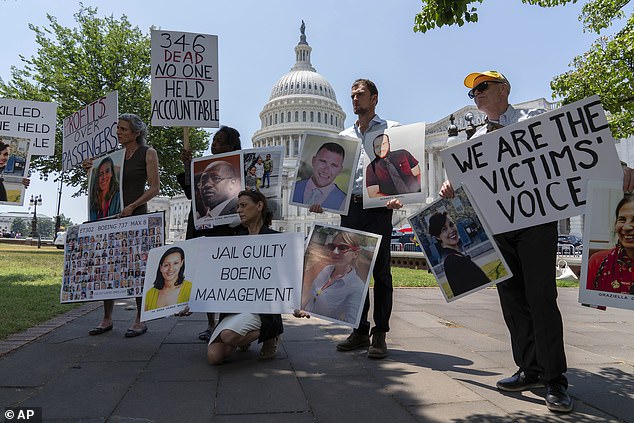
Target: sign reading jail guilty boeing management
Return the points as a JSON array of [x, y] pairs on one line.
[[536, 171], [184, 79]]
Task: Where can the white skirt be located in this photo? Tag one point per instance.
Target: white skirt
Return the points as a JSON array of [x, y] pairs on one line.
[[241, 323]]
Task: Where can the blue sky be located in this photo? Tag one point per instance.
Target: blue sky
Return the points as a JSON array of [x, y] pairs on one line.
[[419, 76]]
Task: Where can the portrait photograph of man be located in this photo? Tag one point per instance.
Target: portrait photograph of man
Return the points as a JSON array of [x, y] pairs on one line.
[[216, 184], [324, 172], [394, 165]]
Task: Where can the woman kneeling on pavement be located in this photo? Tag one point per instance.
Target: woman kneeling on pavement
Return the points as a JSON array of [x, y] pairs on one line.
[[238, 330]]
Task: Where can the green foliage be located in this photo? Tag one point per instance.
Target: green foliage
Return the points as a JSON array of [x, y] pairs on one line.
[[75, 66], [45, 228], [65, 222], [437, 13], [20, 225], [607, 69]]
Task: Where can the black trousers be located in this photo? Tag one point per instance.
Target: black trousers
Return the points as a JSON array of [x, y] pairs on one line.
[[377, 221], [529, 301]]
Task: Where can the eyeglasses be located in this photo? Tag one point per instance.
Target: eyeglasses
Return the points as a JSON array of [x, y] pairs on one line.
[[482, 86], [342, 248], [215, 179]]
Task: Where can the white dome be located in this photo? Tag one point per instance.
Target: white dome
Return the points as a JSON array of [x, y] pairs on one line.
[[302, 82]]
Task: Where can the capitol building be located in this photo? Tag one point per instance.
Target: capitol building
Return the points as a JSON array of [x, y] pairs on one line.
[[301, 101]]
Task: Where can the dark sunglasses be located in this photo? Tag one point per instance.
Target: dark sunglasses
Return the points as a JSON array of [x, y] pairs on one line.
[[482, 86], [343, 248]]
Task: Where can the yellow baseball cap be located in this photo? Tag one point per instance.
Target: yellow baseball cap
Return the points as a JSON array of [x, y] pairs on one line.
[[491, 75]]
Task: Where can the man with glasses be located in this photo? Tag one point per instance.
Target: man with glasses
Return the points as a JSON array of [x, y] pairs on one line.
[[529, 298], [219, 187]]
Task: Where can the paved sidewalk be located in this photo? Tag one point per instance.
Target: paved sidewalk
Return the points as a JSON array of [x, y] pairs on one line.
[[443, 364]]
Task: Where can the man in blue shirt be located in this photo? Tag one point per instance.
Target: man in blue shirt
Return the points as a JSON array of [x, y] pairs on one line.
[[365, 97]]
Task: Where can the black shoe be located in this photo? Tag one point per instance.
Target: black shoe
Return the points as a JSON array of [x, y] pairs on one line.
[[557, 398], [353, 342], [378, 349], [520, 381]]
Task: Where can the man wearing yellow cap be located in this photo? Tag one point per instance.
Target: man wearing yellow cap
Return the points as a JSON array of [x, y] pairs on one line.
[[529, 298]]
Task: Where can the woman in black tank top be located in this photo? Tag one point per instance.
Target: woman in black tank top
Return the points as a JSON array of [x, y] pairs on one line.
[[140, 168]]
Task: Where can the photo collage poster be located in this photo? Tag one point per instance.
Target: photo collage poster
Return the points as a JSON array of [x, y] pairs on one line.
[[107, 260]]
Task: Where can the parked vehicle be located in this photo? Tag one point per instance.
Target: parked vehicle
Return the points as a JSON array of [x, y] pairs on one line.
[[60, 240], [570, 239]]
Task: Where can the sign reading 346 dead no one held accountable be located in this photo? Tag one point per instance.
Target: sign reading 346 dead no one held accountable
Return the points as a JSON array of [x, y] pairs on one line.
[[184, 79], [536, 171]]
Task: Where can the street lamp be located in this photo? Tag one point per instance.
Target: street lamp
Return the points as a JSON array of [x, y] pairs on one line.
[[35, 201], [453, 131]]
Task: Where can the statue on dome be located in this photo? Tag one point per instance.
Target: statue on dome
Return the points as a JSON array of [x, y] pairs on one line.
[[302, 28]]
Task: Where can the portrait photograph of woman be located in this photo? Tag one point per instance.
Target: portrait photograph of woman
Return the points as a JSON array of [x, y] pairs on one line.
[[104, 199], [460, 252], [607, 276], [337, 267]]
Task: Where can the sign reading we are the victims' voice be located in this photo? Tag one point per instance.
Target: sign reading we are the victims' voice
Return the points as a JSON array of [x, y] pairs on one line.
[[91, 131], [536, 171], [184, 79], [251, 273]]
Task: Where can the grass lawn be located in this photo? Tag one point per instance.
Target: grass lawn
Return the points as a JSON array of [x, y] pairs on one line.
[[30, 281], [422, 278]]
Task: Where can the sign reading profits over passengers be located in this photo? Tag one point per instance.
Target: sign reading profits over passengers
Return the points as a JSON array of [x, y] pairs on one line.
[[91, 131], [184, 79], [34, 120], [536, 171]]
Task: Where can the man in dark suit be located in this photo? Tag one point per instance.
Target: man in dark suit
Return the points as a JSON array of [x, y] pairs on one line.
[[321, 188], [219, 186]]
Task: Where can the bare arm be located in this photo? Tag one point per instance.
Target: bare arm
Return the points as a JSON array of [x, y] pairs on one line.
[[151, 163]]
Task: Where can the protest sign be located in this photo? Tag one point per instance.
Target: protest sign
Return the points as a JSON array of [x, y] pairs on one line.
[[394, 166], [107, 259], [34, 120], [536, 171], [216, 182], [105, 188], [251, 274], [607, 277], [460, 250], [325, 173], [168, 282], [184, 79], [337, 268], [91, 131], [14, 166], [263, 172]]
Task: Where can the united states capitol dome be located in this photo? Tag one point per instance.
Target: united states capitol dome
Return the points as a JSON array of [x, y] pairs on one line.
[[301, 100]]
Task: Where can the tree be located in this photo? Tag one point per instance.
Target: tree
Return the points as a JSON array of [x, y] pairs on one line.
[[65, 222], [19, 225], [607, 69], [74, 66], [45, 228]]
